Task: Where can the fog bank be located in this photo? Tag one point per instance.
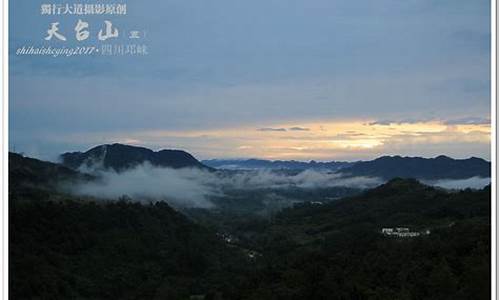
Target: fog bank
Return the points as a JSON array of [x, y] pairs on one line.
[[456, 184], [192, 187]]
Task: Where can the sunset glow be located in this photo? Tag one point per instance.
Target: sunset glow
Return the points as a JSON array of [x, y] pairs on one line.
[[316, 140]]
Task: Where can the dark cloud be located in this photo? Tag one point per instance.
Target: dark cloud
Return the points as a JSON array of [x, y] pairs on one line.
[[298, 129], [459, 121], [469, 121], [382, 123], [397, 122], [348, 135], [271, 129]]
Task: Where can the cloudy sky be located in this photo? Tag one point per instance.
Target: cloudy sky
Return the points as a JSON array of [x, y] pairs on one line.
[[278, 79]]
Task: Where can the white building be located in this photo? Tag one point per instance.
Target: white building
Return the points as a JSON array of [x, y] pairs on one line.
[[387, 230], [401, 232]]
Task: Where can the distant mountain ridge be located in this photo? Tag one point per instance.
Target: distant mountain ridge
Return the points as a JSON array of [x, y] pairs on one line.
[[386, 167], [121, 157], [253, 164], [441, 167]]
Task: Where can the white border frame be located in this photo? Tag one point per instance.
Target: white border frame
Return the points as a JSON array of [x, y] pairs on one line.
[[4, 222], [494, 152], [4, 50]]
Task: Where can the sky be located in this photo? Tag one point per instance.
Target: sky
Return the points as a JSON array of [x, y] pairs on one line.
[[276, 79]]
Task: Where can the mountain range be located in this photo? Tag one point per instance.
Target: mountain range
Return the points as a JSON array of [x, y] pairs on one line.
[[386, 167], [121, 157], [441, 167], [255, 164]]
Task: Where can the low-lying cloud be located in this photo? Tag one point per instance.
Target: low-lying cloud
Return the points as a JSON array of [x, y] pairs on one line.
[[192, 187], [184, 187], [308, 179], [271, 129], [299, 129], [456, 184]]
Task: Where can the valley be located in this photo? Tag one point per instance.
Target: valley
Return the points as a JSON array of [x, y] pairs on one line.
[[285, 236]]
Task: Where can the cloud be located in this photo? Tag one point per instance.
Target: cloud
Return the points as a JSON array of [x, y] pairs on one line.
[[398, 122], [191, 187], [308, 179], [298, 129], [458, 121], [184, 187], [455, 184], [348, 135], [382, 123], [469, 121], [271, 129]]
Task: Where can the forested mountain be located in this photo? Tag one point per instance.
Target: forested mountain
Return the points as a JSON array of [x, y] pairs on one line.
[[68, 247], [29, 172], [337, 251], [441, 167], [386, 167], [120, 157]]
